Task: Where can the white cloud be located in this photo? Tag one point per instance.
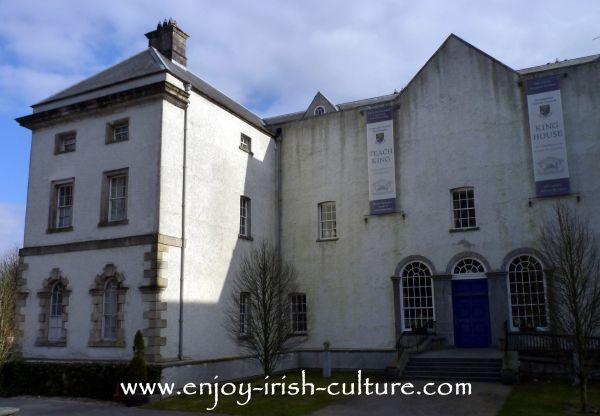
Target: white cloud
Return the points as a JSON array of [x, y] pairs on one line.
[[274, 55], [12, 220], [27, 85]]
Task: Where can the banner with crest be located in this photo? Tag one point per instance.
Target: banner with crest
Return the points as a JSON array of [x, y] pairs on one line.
[[548, 142], [381, 164]]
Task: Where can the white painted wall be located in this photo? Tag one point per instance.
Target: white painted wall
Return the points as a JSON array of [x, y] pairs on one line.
[[218, 173], [81, 268], [461, 122], [87, 164]]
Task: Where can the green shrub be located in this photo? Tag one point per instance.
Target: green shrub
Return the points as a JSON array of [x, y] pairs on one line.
[[137, 371], [94, 380]]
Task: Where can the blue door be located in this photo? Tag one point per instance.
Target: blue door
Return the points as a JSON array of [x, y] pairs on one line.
[[471, 313]]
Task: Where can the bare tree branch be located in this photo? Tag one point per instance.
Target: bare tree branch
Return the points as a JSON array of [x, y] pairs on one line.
[[574, 287], [267, 283], [9, 263]]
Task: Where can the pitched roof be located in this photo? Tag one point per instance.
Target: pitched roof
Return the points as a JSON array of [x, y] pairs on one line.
[[147, 63], [210, 92], [298, 115], [137, 66], [560, 64]]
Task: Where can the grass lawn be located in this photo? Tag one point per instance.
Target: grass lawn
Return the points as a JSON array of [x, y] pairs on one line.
[[268, 405], [543, 398]]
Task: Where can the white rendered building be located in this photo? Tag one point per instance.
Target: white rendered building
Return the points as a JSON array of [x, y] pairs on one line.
[[147, 186]]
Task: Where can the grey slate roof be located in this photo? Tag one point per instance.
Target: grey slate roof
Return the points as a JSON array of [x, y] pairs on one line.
[[147, 63], [150, 61], [561, 64], [139, 65], [210, 92], [284, 118]]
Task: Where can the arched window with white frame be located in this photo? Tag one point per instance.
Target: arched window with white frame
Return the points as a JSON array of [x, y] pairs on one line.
[[527, 293], [468, 267], [110, 311], [417, 297], [55, 318], [319, 110]]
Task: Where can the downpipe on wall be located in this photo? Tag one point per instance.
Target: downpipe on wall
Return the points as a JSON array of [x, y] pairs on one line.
[[187, 86]]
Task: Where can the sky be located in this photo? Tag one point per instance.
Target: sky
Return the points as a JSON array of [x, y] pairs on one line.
[[271, 56]]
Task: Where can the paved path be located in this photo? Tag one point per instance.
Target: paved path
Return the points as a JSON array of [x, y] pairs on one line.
[[43, 406], [486, 400]]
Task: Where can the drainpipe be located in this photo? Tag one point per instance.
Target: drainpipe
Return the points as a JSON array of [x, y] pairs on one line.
[[187, 87], [278, 143]]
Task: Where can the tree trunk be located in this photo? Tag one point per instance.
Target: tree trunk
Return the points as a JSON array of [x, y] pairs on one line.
[[583, 394]]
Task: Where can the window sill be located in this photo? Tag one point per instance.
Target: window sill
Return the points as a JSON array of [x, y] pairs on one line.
[[107, 344], [246, 237], [59, 230], [298, 334], [462, 230], [115, 141], [51, 343], [246, 151], [112, 223], [62, 152], [322, 240]]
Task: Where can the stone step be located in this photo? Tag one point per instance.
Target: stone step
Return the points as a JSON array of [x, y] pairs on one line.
[[454, 360], [459, 365], [457, 373], [452, 369], [495, 378]]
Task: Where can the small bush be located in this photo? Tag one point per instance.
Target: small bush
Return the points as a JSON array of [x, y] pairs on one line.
[[137, 371], [94, 380]]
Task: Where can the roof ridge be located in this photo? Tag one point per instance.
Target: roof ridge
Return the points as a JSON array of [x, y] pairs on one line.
[[157, 57]]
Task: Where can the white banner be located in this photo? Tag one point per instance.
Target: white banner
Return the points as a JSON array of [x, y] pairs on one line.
[[548, 142], [381, 164]]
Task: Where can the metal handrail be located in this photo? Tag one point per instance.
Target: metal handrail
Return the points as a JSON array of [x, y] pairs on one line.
[[545, 342]]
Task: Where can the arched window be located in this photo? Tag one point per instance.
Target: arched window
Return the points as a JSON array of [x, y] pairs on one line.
[[527, 293], [417, 296], [108, 309], [468, 266], [110, 312], [55, 318], [319, 110]]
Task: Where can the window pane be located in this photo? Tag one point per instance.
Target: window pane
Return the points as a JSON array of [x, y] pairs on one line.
[[327, 220], [117, 204], [244, 312], [111, 307], [55, 319], [244, 216], [417, 298], [463, 208], [298, 312], [64, 205], [527, 296], [121, 132]]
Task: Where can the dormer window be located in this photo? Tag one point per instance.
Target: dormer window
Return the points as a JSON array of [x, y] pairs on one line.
[[319, 110]]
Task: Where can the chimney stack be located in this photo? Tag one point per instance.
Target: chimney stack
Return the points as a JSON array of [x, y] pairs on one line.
[[169, 40]]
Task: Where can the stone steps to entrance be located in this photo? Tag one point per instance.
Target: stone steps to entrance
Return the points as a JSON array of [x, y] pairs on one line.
[[454, 369]]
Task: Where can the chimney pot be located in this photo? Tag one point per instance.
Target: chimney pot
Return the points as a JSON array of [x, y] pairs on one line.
[[169, 40]]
